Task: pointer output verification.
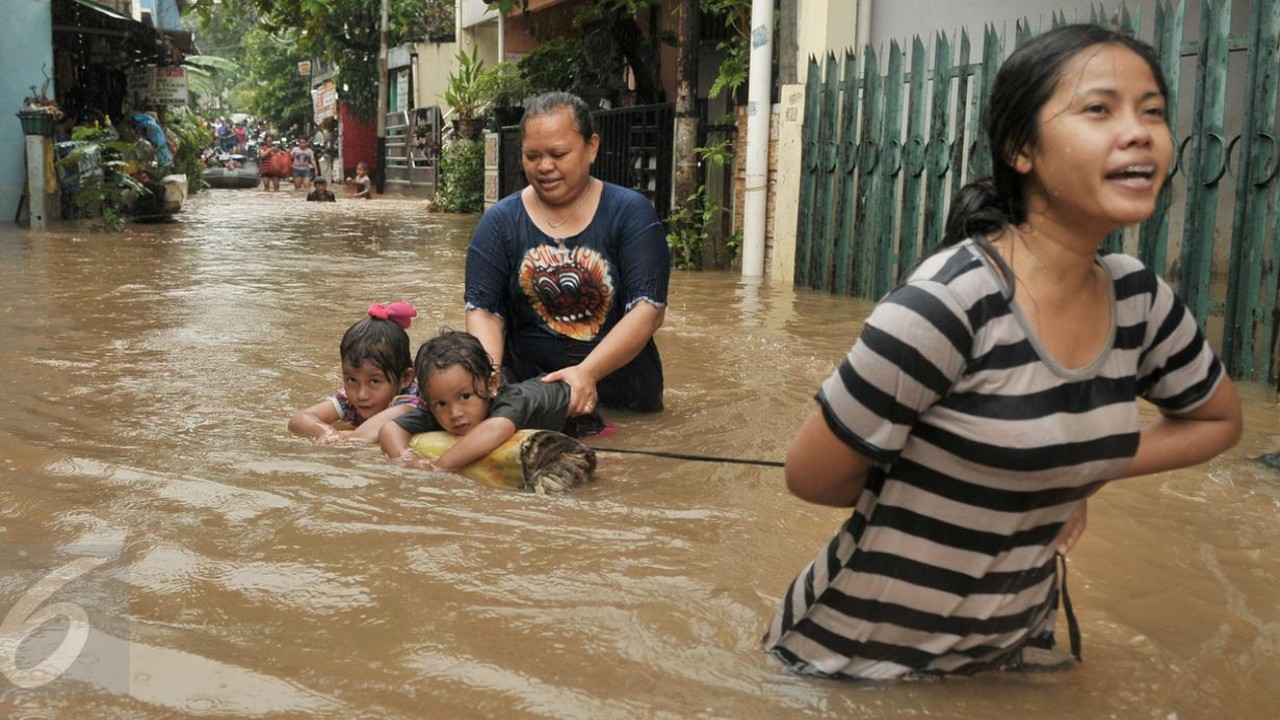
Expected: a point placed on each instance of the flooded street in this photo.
(195, 559)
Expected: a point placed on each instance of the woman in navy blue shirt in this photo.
(568, 277)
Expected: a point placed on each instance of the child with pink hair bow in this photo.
(378, 383)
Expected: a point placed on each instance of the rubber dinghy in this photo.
(538, 461)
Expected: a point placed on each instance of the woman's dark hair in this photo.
(453, 348)
(1025, 82)
(382, 343)
(547, 103)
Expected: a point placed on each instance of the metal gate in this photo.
(881, 162)
(635, 152)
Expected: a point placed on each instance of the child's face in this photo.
(368, 388)
(453, 399)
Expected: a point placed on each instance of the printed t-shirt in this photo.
(559, 296)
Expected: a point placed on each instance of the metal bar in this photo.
(869, 131)
(961, 135)
(825, 245)
(884, 235)
(937, 154)
(992, 58)
(913, 164)
(808, 161)
(846, 189)
(1202, 177)
(1153, 238)
(1246, 358)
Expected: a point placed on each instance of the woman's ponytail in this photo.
(977, 210)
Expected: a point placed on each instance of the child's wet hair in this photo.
(453, 348)
(1025, 82)
(381, 343)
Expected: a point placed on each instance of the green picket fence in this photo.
(885, 150)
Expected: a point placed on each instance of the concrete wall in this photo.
(432, 75)
(26, 45)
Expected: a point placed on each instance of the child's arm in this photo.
(316, 422)
(484, 439)
(394, 441)
(368, 432)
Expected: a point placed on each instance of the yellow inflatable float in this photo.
(539, 461)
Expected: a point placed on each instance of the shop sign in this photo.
(152, 85)
(324, 100)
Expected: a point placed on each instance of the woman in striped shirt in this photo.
(995, 390)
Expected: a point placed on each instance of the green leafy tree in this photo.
(345, 32)
(276, 91)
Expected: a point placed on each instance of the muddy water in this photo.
(195, 559)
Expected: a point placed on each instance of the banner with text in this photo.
(324, 100)
(152, 85)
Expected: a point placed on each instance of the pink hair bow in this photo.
(398, 312)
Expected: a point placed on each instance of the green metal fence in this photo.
(885, 150)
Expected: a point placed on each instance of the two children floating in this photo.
(449, 410)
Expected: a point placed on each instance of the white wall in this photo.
(26, 46)
(434, 62)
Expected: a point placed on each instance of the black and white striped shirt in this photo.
(983, 447)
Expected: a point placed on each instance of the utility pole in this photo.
(384, 40)
(759, 108)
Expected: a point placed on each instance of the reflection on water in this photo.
(149, 376)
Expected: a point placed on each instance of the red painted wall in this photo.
(359, 143)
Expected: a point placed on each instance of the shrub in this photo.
(461, 187)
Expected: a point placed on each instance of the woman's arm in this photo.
(484, 439)
(488, 329)
(619, 347)
(1180, 440)
(369, 430)
(821, 468)
(316, 422)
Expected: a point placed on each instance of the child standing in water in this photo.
(463, 394)
(363, 183)
(995, 390)
(377, 380)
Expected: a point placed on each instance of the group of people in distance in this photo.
(303, 169)
(986, 399)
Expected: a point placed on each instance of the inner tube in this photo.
(537, 461)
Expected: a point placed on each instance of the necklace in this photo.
(546, 218)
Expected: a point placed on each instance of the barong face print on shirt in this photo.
(571, 289)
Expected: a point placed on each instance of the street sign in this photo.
(304, 68)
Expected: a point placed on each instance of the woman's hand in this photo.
(582, 388)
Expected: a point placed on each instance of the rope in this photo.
(695, 458)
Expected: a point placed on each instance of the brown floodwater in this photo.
(192, 558)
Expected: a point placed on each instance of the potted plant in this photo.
(504, 88)
(464, 95)
(39, 113)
